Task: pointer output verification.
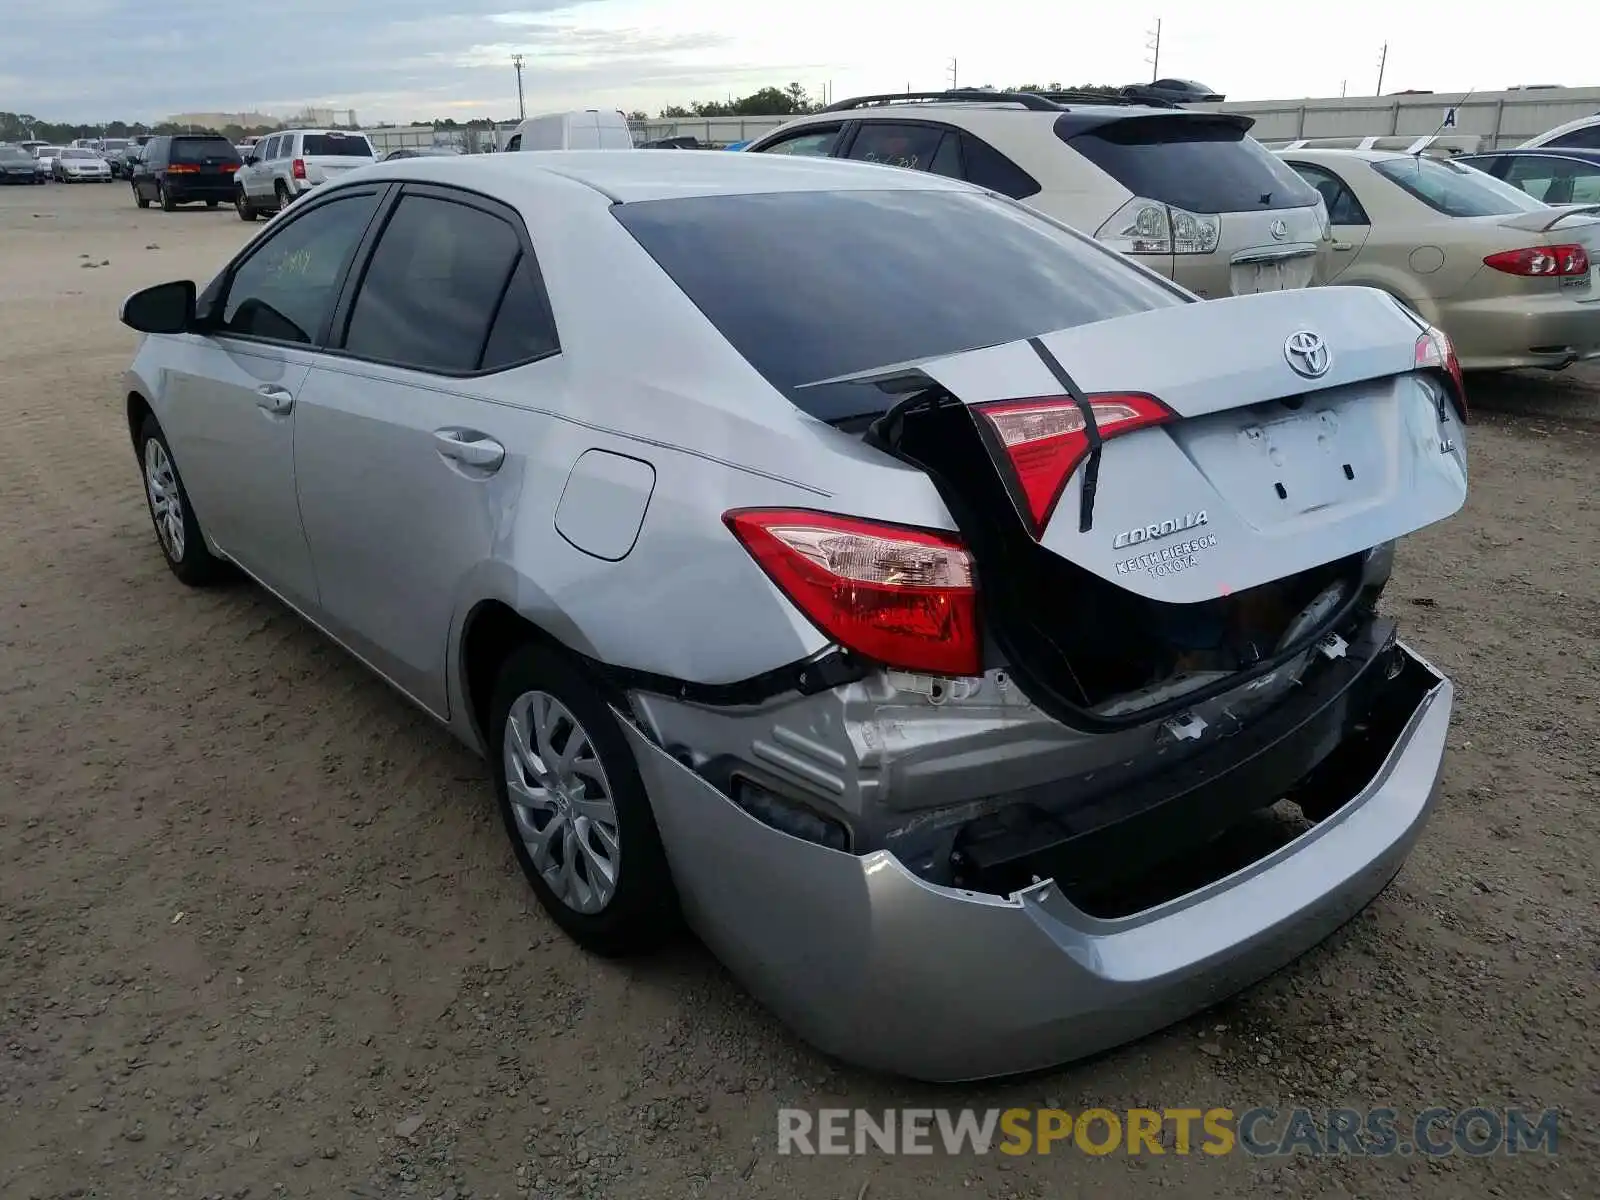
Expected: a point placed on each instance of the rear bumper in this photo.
(183, 189)
(881, 968)
(1520, 331)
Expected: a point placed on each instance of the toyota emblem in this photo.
(1279, 231)
(1307, 354)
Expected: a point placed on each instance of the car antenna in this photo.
(1449, 119)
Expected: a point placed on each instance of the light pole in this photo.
(516, 61)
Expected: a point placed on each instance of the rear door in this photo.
(1349, 221)
(329, 155)
(402, 469)
(1211, 207)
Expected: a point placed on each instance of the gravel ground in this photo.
(260, 933)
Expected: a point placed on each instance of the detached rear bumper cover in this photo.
(872, 964)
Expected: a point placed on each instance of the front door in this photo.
(237, 400)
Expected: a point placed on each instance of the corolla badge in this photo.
(1279, 231)
(1159, 529)
(1307, 354)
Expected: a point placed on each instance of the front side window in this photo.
(432, 288)
(285, 290)
(1454, 190)
(853, 284)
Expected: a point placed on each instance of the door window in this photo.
(808, 143)
(285, 290)
(1343, 207)
(433, 286)
(1555, 180)
(891, 144)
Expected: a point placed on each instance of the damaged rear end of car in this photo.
(1110, 722)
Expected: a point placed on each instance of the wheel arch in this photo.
(138, 409)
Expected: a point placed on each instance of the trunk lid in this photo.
(1262, 472)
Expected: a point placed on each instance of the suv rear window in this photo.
(1200, 165)
(872, 278)
(202, 150)
(334, 145)
(1454, 190)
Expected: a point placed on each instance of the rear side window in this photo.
(890, 144)
(335, 145)
(1587, 138)
(1454, 190)
(871, 278)
(202, 150)
(433, 286)
(1200, 165)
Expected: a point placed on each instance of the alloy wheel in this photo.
(562, 802)
(166, 504)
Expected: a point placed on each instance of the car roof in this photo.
(1345, 154)
(1579, 152)
(628, 176)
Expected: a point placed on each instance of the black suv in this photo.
(185, 167)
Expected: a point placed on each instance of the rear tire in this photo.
(575, 808)
(176, 527)
(139, 198)
(282, 193)
(168, 204)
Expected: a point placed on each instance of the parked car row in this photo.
(1499, 250)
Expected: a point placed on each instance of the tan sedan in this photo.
(1512, 281)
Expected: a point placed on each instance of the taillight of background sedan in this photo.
(910, 592)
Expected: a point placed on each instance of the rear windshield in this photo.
(857, 280)
(1455, 190)
(335, 145)
(1191, 163)
(202, 150)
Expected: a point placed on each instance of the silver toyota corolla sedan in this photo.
(913, 594)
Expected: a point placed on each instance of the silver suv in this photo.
(289, 164)
(1189, 194)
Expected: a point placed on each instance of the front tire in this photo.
(575, 807)
(177, 531)
(242, 205)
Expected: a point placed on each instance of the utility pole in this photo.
(1342, 84)
(516, 61)
(952, 73)
(1154, 46)
(1383, 61)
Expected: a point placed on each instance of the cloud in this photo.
(92, 60)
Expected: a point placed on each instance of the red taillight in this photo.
(900, 596)
(1435, 352)
(1045, 438)
(298, 170)
(182, 169)
(1541, 261)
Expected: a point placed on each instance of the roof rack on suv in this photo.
(1030, 100)
(1050, 101)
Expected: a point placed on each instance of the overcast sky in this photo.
(92, 60)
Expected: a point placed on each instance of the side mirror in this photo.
(249, 159)
(165, 308)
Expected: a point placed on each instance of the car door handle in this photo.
(1344, 245)
(274, 399)
(470, 448)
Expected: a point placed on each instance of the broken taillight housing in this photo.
(900, 596)
(1435, 352)
(1045, 438)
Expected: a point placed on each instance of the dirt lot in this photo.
(260, 933)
